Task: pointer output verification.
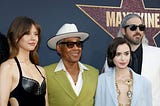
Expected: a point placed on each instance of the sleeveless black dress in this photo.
(28, 91)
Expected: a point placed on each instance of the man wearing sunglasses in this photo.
(70, 82)
(145, 58)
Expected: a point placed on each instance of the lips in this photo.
(32, 44)
(122, 63)
(137, 34)
(75, 54)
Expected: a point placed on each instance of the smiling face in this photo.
(70, 54)
(122, 56)
(133, 36)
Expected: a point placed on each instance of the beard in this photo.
(133, 40)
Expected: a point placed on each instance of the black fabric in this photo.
(136, 63)
(28, 91)
(4, 48)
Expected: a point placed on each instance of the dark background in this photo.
(52, 14)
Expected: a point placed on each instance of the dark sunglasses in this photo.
(133, 27)
(79, 44)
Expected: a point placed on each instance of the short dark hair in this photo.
(112, 48)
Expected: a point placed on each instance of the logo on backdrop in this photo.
(109, 17)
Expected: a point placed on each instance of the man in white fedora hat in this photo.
(70, 83)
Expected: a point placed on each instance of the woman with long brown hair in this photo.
(22, 81)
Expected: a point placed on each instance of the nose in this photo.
(75, 46)
(33, 36)
(138, 30)
(122, 57)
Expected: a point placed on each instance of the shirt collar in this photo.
(138, 51)
(60, 66)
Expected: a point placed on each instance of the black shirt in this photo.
(136, 61)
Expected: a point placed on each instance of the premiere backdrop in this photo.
(99, 18)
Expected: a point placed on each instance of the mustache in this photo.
(137, 33)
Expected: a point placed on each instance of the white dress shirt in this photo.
(77, 88)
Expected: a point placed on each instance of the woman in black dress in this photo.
(22, 81)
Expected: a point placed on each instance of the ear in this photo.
(16, 40)
(58, 48)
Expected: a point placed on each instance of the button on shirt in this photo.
(77, 88)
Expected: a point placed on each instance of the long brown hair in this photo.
(19, 27)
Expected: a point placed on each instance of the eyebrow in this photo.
(121, 52)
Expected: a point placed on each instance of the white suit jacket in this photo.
(151, 70)
(106, 94)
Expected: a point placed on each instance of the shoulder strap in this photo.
(39, 71)
(19, 67)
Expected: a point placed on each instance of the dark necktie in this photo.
(134, 64)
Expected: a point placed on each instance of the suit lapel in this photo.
(136, 91)
(62, 79)
(143, 59)
(84, 87)
(111, 85)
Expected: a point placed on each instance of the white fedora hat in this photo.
(66, 31)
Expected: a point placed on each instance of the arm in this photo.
(46, 96)
(148, 93)
(99, 92)
(5, 83)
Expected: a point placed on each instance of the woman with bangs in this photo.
(22, 80)
(120, 85)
